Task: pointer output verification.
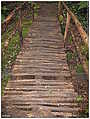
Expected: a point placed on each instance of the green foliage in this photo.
(75, 55)
(4, 11)
(84, 50)
(79, 68)
(70, 39)
(9, 54)
(26, 25)
(80, 9)
(2, 17)
(69, 56)
(61, 19)
(36, 6)
(87, 62)
(79, 98)
(35, 14)
(29, 2)
(4, 83)
(83, 4)
(85, 112)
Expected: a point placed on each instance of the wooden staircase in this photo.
(41, 84)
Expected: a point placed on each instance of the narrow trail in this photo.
(41, 84)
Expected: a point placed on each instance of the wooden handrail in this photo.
(10, 16)
(67, 25)
(78, 25)
(5, 23)
(85, 67)
(83, 34)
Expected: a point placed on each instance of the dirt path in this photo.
(41, 82)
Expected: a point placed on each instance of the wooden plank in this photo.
(40, 93)
(28, 98)
(64, 114)
(46, 103)
(42, 86)
(39, 89)
(53, 108)
(42, 74)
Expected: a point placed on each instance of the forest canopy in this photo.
(81, 10)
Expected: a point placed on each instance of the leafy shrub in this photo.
(79, 98)
(70, 39)
(79, 68)
(81, 10)
(61, 19)
(69, 56)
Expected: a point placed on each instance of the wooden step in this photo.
(37, 88)
(15, 98)
(46, 93)
(42, 74)
(41, 81)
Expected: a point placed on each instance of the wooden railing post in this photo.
(20, 27)
(67, 26)
(83, 34)
(59, 8)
